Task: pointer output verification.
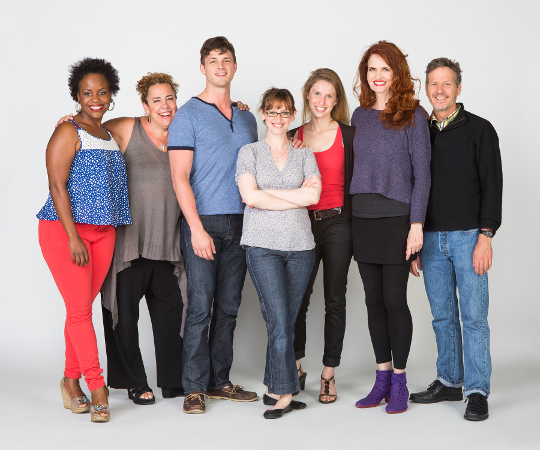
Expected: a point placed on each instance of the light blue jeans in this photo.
(463, 358)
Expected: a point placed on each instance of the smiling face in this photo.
(94, 95)
(160, 104)
(379, 74)
(219, 68)
(277, 125)
(442, 91)
(322, 98)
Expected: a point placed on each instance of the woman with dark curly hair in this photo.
(88, 198)
(326, 131)
(390, 187)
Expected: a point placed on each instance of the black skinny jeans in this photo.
(156, 281)
(389, 319)
(333, 245)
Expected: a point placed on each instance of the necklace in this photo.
(277, 158)
(162, 146)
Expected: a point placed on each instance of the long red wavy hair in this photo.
(399, 111)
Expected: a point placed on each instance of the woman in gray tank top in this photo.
(147, 259)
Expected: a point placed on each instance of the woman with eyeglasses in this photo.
(277, 182)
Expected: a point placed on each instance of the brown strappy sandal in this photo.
(326, 392)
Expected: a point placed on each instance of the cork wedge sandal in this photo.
(77, 405)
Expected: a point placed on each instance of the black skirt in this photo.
(381, 240)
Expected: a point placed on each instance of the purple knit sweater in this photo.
(394, 163)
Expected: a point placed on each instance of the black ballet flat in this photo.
(269, 401)
(277, 413)
(135, 395)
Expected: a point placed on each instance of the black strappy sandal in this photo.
(135, 395)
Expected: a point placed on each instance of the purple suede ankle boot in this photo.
(399, 394)
(381, 389)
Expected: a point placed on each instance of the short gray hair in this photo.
(444, 62)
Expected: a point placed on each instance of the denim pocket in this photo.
(472, 230)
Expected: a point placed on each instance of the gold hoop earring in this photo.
(113, 105)
(77, 107)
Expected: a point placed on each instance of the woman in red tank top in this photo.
(325, 116)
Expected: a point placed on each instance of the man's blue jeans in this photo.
(447, 262)
(281, 278)
(214, 293)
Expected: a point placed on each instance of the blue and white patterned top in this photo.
(97, 183)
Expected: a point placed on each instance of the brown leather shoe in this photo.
(195, 403)
(232, 392)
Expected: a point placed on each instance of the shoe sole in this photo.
(100, 419)
(173, 396)
(194, 411)
(476, 418)
(215, 397)
(448, 398)
(397, 412)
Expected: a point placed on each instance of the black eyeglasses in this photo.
(284, 114)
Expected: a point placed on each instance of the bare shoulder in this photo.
(65, 132)
(120, 128)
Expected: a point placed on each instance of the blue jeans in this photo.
(214, 291)
(281, 278)
(447, 262)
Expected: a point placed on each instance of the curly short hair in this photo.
(444, 62)
(144, 84)
(87, 66)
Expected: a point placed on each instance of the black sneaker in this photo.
(437, 392)
(477, 407)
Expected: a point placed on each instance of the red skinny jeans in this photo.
(79, 287)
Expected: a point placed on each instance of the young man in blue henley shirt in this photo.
(204, 139)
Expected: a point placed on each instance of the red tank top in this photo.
(331, 164)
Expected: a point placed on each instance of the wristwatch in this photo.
(487, 233)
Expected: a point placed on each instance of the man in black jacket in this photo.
(463, 214)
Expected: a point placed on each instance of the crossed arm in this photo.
(279, 199)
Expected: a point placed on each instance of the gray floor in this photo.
(32, 417)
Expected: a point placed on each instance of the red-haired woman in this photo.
(326, 131)
(390, 187)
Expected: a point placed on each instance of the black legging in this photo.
(389, 318)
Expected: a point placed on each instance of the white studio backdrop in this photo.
(277, 44)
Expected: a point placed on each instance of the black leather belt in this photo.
(325, 213)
